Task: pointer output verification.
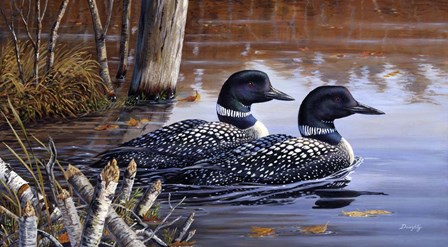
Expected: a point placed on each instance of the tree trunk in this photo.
(37, 44)
(159, 49)
(54, 35)
(101, 52)
(124, 41)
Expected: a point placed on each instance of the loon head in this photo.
(322, 106)
(240, 91)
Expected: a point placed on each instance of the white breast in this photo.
(259, 130)
(349, 149)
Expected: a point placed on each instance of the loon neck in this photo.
(322, 130)
(235, 114)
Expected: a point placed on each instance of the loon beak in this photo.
(364, 109)
(277, 94)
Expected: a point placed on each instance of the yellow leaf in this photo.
(258, 232)
(133, 122)
(192, 98)
(144, 120)
(377, 212)
(106, 127)
(355, 214)
(318, 229)
(392, 74)
(176, 244)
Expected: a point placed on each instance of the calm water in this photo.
(392, 55)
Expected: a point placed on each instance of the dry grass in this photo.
(71, 88)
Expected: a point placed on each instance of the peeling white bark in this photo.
(70, 217)
(28, 227)
(148, 199)
(128, 182)
(16, 184)
(187, 225)
(124, 235)
(99, 205)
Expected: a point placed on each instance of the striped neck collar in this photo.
(307, 130)
(222, 111)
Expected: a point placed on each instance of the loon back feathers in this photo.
(151, 139)
(285, 162)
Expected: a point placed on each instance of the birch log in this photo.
(101, 52)
(159, 49)
(148, 198)
(124, 235)
(128, 182)
(185, 228)
(99, 205)
(124, 41)
(28, 227)
(54, 34)
(17, 184)
(70, 217)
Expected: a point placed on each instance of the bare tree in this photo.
(159, 49)
(54, 34)
(100, 39)
(124, 41)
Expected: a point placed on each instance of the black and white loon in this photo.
(282, 159)
(187, 141)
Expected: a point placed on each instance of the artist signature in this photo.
(412, 228)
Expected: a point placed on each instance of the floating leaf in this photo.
(372, 53)
(355, 214)
(133, 122)
(377, 212)
(392, 74)
(63, 238)
(366, 213)
(192, 98)
(339, 55)
(175, 244)
(318, 229)
(258, 232)
(106, 127)
(144, 120)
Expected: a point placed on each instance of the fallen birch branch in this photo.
(187, 225)
(28, 227)
(128, 182)
(70, 217)
(148, 198)
(123, 234)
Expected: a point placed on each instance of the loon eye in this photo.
(251, 84)
(337, 99)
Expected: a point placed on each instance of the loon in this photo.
(283, 159)
(187, 141)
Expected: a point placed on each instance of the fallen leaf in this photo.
(339, 55)
(304, 48)
(258, 232)
(133, 122)
(175, 244)
(372, 53)
(318, 229)
(192, 98)
(392, 74)
(355, 214)
(144, 120)
(63, 238)
(377, 212)
(106, 127)
(150, 218)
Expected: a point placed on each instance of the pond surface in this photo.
(392, 55)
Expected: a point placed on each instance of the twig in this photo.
(164, 219)
(190, 235)
(4, 210)
(99, 205)
(50, 237)
(109, 16)
(187, 225)
(16, 44)
(49, 168)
